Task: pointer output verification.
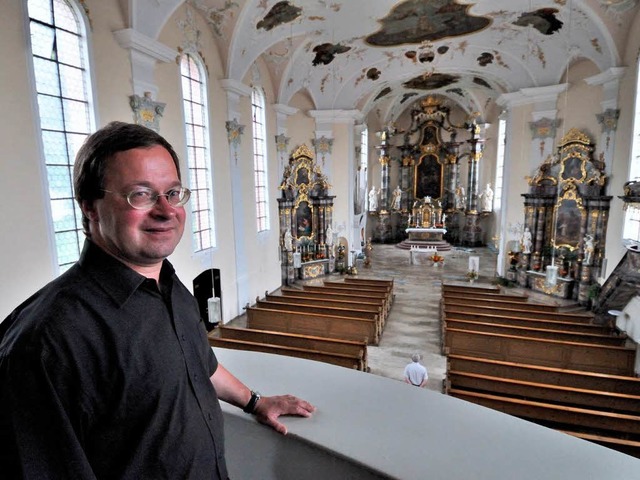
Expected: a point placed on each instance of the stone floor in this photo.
(413, 325)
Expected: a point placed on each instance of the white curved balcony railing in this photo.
(369, 427)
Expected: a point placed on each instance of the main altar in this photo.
(426, 226)
(306, 213)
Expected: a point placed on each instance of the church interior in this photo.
(443, 177)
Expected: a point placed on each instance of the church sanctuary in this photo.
(370, 180)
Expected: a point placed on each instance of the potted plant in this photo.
(472, 275)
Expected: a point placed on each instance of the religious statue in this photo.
(328, 239)
(487, 199)
(288, 241)
(526, 240)
(396, 198)
(589, 246)
(461, 197)
(373, 199)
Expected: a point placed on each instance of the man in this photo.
(106, 372)
(415, 373)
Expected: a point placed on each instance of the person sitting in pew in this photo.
(415, 373)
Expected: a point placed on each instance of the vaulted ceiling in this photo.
(372, 54)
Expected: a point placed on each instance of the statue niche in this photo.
(305, 211)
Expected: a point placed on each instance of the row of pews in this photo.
(333, 322)
(537, 362)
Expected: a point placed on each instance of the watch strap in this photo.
(253, 401)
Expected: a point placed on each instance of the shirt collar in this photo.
(117, 279)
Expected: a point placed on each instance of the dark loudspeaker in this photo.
(207, 286)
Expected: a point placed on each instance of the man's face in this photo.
(139, 238)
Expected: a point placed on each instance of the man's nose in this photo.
(162, 205)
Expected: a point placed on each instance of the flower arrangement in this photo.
(437, 259)
(472, 275)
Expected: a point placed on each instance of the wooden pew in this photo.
(357, 351)
(458, 288)
(552, 353)
(372, 281)
(630, 447)
(456, 313)
(339, 359)
(366, 284)
(340, 296)
(551, 393)
(324, 310)
(378, 290)
(523, 313)
(493, 301)
(532, 332)
(617, 384)
(611, 424)
(314, 324)
(355, 294)
(302, 300)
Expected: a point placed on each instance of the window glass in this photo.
(198, 160)
(632, 215)
(59, 54)
(259, 160)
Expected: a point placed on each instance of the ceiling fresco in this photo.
(383, 55)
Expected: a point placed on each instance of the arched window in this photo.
(362, 171)
(632, 215)
(260, 159)
(63, 90)
(502, 140)
(198, 159)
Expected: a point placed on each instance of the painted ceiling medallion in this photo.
(431, 82)
(415, 21)
(281, 13)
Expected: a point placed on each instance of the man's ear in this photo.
(89, 210)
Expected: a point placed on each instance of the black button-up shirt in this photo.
(104, 375)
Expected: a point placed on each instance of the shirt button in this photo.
(183, 338)
(210, 417)
(195, 376)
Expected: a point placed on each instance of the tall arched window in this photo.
(502, 140)
(362, 171)
(632, 215)
(198, 159)
(63, 90)
(260, 159)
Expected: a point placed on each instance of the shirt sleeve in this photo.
(42, 439)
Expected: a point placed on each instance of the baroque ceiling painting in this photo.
(385, 55)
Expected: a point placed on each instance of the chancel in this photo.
(369, 179)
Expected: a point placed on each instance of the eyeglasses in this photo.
(145, 198)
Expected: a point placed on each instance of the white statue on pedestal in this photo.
(526, 240)
(487, 199)
(396, 198)
(373, 199)
(288, 241)
(589, 246)
(461, 197)
(328, 237)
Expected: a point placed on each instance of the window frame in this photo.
(631, 222)
(203, 237)
(82, 32)
(260, 160)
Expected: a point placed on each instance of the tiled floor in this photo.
(414, 319)
(413, 325)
